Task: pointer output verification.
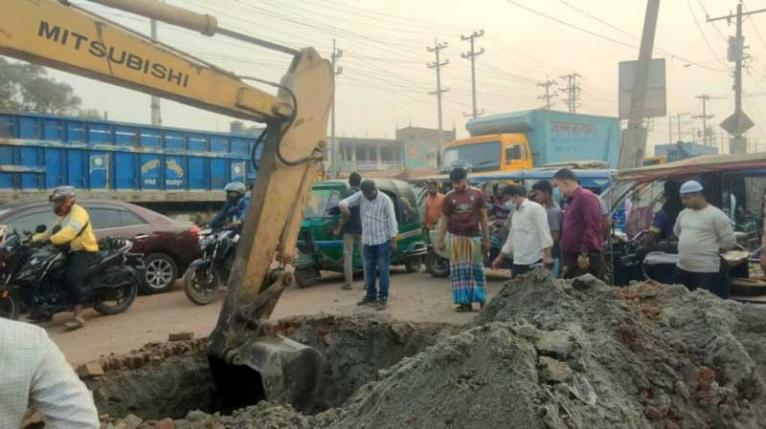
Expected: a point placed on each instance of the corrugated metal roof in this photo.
(694, 166)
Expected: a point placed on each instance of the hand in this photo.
(336, 232)
(583, 262)
(547, 261)
(393, 245)
(440, 245)
(485, 245)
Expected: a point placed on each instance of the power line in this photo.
(755, 27)
(702, 33)
(607, 38)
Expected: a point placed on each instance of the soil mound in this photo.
(544, 353)
(550, 354)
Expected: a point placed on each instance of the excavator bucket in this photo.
(248, 361)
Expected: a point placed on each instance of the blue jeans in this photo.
(376, 261)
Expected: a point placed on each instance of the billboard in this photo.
(655, 99)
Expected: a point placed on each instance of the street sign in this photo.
(654, 100)
(737, 123)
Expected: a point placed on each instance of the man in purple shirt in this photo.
(582, 240)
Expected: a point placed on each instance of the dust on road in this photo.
(416, 297)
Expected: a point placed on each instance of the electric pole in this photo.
(738, 123)
(471, 55)
(336, 70)
(633, 147)
(549, 94)
(154, 103)
(572, 90)
(438, 64)
(704, 116)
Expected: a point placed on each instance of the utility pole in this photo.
(573, 91)
(633, 147)
(548, 96)
(438, 64)
(154, 103)
(471, 55)
(738, 123)
(704, 116)
(336, 70)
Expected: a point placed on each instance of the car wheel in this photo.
(161, 272)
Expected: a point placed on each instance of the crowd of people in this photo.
(524, 229)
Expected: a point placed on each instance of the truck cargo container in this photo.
(534, 138)
(168, 169)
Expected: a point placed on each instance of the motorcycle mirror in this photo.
(40, 229)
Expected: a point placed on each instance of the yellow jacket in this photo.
(71, 225)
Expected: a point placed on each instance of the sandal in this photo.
(75, 323)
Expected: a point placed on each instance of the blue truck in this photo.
(535, 138)
(160, 167)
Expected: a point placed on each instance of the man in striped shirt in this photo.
(379, 230)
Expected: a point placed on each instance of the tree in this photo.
(27, 87)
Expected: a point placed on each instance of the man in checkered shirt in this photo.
(34, 373)
(379, 231)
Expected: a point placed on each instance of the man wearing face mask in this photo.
(73, 230)
(234, 212)
(379, 231)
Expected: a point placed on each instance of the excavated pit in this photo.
(544, 353)
(354, 350)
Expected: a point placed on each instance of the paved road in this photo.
(414, 297)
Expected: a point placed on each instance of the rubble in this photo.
(542, 354)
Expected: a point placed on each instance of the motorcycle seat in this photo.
(661, 258)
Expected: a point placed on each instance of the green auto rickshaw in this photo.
(319, 250)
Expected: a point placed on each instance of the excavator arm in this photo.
(63, 36)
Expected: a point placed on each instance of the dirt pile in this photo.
(544, 353)
(547, 354)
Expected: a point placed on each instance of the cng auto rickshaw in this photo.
(320, 250)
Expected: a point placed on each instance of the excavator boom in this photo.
(60, 35)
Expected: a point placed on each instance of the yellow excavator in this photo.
(248, 362)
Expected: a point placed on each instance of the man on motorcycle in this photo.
(72, 229)
(234, 211)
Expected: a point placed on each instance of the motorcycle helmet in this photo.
(234, 191)
(60, 196)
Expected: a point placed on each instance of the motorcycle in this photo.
(207, 275)
(32, 278)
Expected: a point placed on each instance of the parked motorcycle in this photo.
(32, 278)
(207, 275)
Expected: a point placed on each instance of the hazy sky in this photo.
(385, 81)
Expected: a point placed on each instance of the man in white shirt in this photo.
(36, 374)
(529, 240)
(703, 231)
(379, 231)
